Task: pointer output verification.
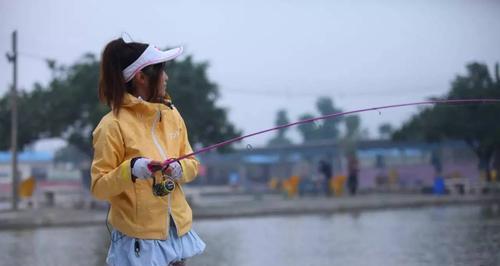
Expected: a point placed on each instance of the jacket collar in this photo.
(140, 105)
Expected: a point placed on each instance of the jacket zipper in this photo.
(155, 140)
(162, 153)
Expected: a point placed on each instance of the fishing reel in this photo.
(166, 185)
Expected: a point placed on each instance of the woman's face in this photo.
(144, 88)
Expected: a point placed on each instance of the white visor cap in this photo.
(150, 56)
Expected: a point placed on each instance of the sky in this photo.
(273, 54)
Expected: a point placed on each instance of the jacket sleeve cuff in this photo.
(126, 172)
(189, 169)
(132, 162)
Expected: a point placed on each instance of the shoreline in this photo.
(229, 208)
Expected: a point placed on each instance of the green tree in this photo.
(329, 127)
(352, 133)
(68, 106)
(385, 131)
(324, 129)
(309, 131)
(195, 95)
(70, 154)
(353, 126)
(27, 126)
(476, 124)
(280, 139)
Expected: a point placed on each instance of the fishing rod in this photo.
(334, 115)
(168, 185)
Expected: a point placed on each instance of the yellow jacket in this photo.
(142, 129)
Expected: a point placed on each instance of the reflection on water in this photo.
(433, 236)
(430, 236)
(54, 246)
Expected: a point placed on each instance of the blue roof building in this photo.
(27, 157)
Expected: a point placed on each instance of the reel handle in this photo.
(166, 163)
(155, 166)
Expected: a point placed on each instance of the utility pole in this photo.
(12, 58)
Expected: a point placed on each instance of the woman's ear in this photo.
(140, 80)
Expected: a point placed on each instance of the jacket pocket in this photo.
(149, 207)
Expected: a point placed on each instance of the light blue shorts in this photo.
(153, 252)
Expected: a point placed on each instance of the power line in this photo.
(35, 56)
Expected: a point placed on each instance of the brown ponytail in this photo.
(117, 55)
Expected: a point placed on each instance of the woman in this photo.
(142, 130)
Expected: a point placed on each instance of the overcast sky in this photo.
(268, 55)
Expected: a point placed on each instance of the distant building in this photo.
(30, 163)
(41, 166)
(381, 163)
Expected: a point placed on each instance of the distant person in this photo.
(436, 162)
(381, 179)
(152, 225)
(325, 169)
(353, 170)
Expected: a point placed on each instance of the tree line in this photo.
(68, 106)
(478, 125)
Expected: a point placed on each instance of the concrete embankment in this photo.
(245, 206)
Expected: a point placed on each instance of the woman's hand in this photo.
(144, 167)
(174, 170)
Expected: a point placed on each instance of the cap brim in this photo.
(150, 56)
(164, 56)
